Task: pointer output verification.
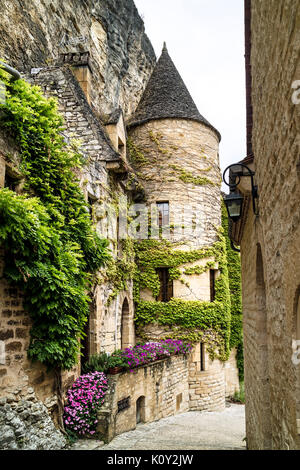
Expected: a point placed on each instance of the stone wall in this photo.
(270, 247)
(164, 388)
(25, 424)
(206, 382)
(232, 382)
(121, 55)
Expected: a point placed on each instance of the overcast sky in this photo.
(205, 39)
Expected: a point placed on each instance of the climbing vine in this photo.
(188, 177)
(51, 246)
(188, 320)
(234, 274)
(121, 270)
(217, 323)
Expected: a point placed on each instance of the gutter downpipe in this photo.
(13, 72)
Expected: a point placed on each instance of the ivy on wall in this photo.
(235, 286)
(51, 246)
(217, 323)
(189, 320)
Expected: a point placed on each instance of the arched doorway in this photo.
(140, 410)
(262, 351)
(125, 325)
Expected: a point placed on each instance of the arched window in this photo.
(125, 325)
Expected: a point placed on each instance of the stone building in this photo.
(142, 145)
(269, 241)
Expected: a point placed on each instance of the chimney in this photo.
(80, 64)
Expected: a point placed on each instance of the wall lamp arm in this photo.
(233, 182)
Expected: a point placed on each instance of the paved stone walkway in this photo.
(195, 430)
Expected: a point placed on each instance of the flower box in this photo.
(115, 370)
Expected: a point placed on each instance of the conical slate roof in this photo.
(166, 96)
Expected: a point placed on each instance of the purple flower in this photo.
(84, 402)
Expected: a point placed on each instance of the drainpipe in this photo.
(13, 72)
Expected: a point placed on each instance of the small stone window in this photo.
(123, 404)
(202, 357)
(212, 283)
(166, 285)
(163, 214)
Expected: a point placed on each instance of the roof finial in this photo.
(165, 47)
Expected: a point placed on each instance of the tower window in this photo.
(163, 214)
(212, 281)
(202, 357)
(166, 285)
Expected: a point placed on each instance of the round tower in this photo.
(181, 281)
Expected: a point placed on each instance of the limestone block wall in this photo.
(112, 326)
(270, 247)
(28, 397)
(232, 383)
(206, 387)
(163, 387)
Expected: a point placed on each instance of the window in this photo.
(11, 182)
(202, 357)
(125, 325)
(166, 285)
(212, 281)
(163, 214)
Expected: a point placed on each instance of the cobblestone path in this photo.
(196, 430)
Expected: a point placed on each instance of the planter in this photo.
(115, 370)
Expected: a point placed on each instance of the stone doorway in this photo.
(140, 410)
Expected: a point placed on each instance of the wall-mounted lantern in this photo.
(234, 200)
